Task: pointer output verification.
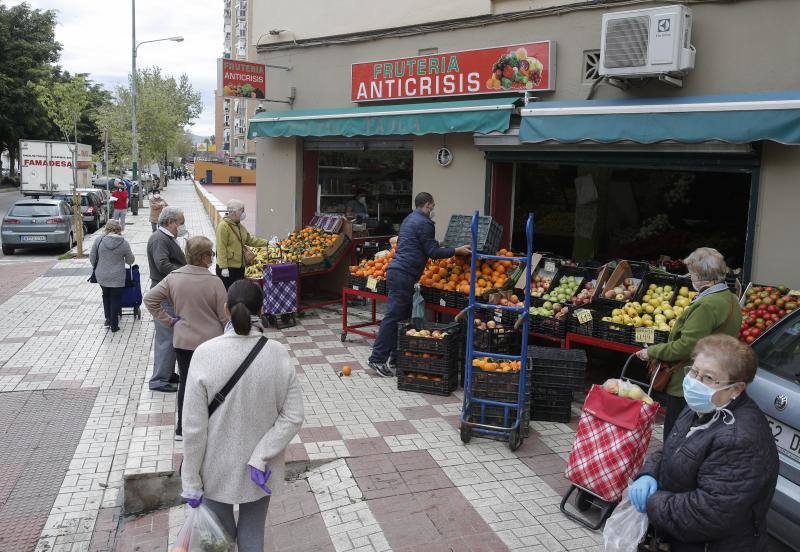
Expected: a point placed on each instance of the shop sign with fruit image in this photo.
(514, 68)
(242, 79)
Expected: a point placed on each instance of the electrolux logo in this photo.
(664, 25)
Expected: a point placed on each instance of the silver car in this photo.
(776, 389)
(37, 223)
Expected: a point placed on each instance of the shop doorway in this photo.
(594, 212)
(382, 178)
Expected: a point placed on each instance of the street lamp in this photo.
(134, 75)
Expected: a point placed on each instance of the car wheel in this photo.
(8, 250)
(70, 242)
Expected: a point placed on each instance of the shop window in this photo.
(602, 213)
(384, 177)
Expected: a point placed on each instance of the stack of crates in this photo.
(426, 364)
(556, 374)
(501, 387)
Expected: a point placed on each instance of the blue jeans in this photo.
(401, 291)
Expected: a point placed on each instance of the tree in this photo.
(64, 103)
(164, 108)
(27, 53)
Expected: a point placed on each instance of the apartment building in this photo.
(232, 114)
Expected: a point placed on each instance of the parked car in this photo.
(92, 209)
(776, 389)
(43, 222)
(104, 197)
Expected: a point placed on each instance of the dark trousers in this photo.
(401, 291)
(674, 406)
(184, 359)
(112, 305)
(235, 275)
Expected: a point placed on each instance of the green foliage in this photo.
(27, 54)
(64, 102)
(164, 107)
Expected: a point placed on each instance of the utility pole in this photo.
(134, 76)
(76, 200)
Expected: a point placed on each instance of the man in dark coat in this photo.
(709, 488)
(416, 243)
(164, 255)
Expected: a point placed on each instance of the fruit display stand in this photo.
(427, 358)
(764, 305)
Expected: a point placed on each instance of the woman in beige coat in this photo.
(236, 455)
(198, 298)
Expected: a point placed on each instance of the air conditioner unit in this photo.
(647, 42)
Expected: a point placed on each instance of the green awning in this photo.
(482, 116)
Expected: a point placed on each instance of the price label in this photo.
(549, 266)
(794, 292)
(442, 302)
(372, 283)
(498, 316)
(356, 288)
(644, 335)
(583, 315)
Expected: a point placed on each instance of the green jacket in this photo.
(229, 248)
(700, 319)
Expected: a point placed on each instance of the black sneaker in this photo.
(174, 378)
(106, 324)
(383, 369)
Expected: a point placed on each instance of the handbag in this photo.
(93, 278)
(248, 256)
(660, 371)
(220, 397)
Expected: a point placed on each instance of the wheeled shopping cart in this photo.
(132, 292)
(610, 445)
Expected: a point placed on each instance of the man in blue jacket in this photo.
(416, 243)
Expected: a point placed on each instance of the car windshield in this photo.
(33, 210)
(84, 199)
(779, 350)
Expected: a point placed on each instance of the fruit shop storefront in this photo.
(654, 179)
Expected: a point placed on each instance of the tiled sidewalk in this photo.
(392, 473)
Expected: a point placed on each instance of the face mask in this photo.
(242, 216)
(696, 285)
(432, 214)
(698, 396)
(182, 231)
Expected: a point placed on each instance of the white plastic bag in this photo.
(202, 532)
(625, 528)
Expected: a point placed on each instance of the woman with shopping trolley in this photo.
(714, 310)
(711, 485)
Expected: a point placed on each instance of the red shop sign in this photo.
(241, 79)
(514, 68)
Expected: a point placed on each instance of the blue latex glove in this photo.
(640, 490)
(174, 321)
(260, 478)
(193, 498)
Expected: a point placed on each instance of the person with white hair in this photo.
(109, 256)
(715, 310)
(233, 241)
(163, 256)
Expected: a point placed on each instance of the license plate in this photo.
(33, 238)
(786, 439)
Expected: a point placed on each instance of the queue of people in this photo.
(240, 402)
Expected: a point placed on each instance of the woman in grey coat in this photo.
(236, 455)
(109, 256)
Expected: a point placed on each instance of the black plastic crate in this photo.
(659, 336)
(658, 279)
(498, 384)
(611, 331)
(505, 341)
(383, 287)
(566, 271)
(549, 404)
(446, 346)
(459, 232)
(638, 270)
(409, 380)
(496, 416)
(586, 328)
(434, 364)
(357, 282)
(557, 368)
(456, 300)
(431, 295)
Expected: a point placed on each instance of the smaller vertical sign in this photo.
(241, 79)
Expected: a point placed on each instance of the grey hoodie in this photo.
(109, 255)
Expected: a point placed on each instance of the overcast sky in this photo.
(96, 39)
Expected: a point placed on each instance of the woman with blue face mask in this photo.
(711, 485)
(714, 310)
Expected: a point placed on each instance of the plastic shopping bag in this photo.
(417, 307)
(625, 528)
(202, 532)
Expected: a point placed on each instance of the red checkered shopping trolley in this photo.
(610, 445)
